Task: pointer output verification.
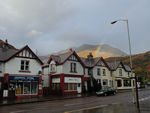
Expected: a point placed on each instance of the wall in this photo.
(13, 66)
(66, 68)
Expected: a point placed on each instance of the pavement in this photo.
(6, 102)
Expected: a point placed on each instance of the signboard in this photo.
(22, 78)
(5, 93)
(72, 80)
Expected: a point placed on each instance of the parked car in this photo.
(106, 91)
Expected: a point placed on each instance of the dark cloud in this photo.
(53, 25)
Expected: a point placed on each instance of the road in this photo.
(76, 105)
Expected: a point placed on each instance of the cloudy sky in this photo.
(53, 25)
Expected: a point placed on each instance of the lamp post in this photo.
(133, 92)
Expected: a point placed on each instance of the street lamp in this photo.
(133, 92)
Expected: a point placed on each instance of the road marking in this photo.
(86, 108)
(143, 99)
(17, 111)
(72, 104)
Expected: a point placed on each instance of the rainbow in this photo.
(98, 49)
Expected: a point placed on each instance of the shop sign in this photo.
(72, 80)
(19, 78)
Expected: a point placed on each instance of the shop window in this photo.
(19, 88)
(119, 83)
(26, 88)
(105, 82)
(33, 87)
(24, 65)
(127, 83)
(98, 71)
(73, 67)
(70, 87)
(56, 86)
(104, 72)
(120, 72)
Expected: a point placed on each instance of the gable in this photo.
(100, 63)
(73, 58)
(26, 54)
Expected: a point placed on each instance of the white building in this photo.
(64, 72)
(20, 71)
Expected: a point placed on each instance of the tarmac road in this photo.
(92, 104)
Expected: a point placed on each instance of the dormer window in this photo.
(120, 72)
(24, 65)
(52, 67)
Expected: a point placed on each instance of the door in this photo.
(79, 88)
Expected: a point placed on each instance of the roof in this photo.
(62, 58)
(6, 53)
(90, 63)
(113, 66)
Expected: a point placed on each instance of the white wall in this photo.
(13, 66)
(66, 68)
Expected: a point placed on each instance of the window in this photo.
(70, 86)
(111, 73)
(120, 72)
(127, 83)
(0, 67)
(110, 83)
(53, 68)
(98, 71)
(105, 82)
(24, 65)
(104, 72)
(89, 72)
(119, 83)
(73, 67)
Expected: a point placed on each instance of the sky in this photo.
(49, 26)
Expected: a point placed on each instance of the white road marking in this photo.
(144, 99)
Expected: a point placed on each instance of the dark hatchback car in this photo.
(106, 91)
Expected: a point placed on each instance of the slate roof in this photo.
(90, 63)
(5, 54)
(113, 66)
(61, 57)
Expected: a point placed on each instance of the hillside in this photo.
(141, 64)
(103, 50)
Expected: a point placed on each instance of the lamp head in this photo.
(113, 22)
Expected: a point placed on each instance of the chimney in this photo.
(6, 41)
(71, 50)
(90, 56)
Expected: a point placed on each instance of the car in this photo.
(106, 91)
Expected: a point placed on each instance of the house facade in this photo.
(20, 72)
(122, 76)
(65, 72)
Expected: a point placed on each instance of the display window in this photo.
(24, 88)
(70, 87)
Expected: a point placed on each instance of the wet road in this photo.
(91, 104)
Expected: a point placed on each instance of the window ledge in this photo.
(73, 72)
(25, 71)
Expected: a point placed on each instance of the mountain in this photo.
(103, 50)
(141, 64)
